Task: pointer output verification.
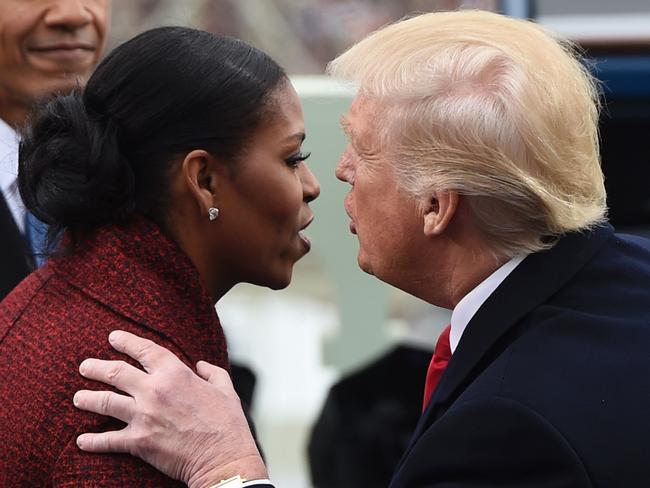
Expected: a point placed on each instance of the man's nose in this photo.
(344, 170)
(68, 14)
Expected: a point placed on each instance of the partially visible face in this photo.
(266, 205)
(387, 221)
(48, 46)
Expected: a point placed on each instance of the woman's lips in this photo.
(305, 240)
(303, 237)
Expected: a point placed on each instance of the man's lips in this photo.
(62, 46)
(64, 52)
(353, 227)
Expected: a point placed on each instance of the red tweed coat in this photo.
(131, 278)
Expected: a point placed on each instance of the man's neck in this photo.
(469, 272)
(445, 274)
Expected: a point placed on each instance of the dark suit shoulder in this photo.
(488, 442)
(556, 359)
(580, 361)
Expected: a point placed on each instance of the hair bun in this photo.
(71, 170)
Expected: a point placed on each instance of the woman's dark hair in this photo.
(100, 155)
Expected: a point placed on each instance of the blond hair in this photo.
(494, 108)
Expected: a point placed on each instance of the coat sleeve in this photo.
(491, 442)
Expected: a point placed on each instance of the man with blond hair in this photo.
(476, 186)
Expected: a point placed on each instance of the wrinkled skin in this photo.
(177, 421)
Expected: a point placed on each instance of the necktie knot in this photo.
(439, 361)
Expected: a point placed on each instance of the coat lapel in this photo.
(535, 280)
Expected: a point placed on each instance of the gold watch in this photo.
(234, 482)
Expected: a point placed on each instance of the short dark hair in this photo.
(102, 154)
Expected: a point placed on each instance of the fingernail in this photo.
(82, 368)
(113, 336)
(75, 400)
(80, 442)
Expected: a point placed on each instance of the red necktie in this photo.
(441, 357)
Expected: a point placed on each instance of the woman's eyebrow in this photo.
(299, 136)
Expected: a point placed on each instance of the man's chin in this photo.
(59, 85)
(364, 264)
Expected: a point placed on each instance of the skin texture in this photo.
(263, 200)
(430, 249)
(46, 46)
(200, 460)
(386, 227)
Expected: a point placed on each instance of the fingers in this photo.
(212, 374)
(116, 373)
(105, 403)
(114, 441)
(149, 354)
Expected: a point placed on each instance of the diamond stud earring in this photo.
(213, 213)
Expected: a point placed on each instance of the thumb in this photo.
(211, 373)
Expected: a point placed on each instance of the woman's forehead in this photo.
(284, 122)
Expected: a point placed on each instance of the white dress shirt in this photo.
(8, 173)
(470, 303)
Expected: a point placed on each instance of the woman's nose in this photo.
(310, 185)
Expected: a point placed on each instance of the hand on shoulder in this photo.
(191, 427)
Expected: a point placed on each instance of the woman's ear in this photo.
(441, 210)
(199, 175)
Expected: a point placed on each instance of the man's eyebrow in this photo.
(345, 126)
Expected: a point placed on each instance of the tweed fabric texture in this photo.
(132, 278)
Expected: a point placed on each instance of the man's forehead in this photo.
(361, 128)
(356, 119)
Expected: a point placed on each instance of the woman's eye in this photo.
(296, 159)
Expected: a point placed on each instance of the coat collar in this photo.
(532, 283)
(139, 273)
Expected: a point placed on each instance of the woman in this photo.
(176, 174)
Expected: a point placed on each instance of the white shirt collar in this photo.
(8, 156)
(9, 140)
(470, 303)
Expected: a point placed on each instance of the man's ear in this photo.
(199, 174)
(441, 210)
